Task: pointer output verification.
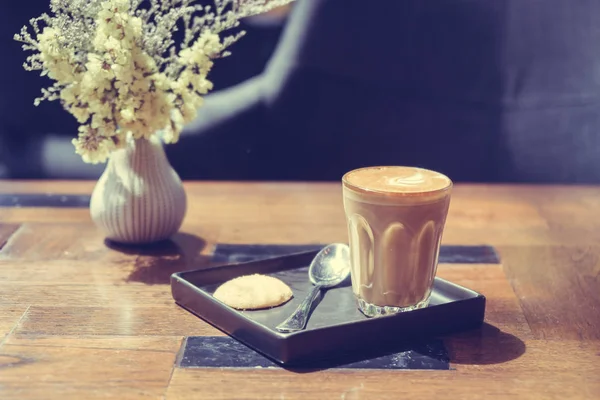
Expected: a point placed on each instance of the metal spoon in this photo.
(329, 268)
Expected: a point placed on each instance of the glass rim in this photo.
(385, 193)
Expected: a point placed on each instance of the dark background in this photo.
(484, 91)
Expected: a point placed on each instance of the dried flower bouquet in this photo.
(118, 69)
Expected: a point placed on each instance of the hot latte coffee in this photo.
(396, 216)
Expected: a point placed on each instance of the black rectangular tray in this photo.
(336, 326)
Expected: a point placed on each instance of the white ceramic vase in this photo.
(139, 199)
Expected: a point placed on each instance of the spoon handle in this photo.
(297, 321)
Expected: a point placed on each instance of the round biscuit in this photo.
(252, 292)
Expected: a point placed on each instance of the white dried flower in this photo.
(118, 71)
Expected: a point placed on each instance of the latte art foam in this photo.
(417, 178)
(397, 180)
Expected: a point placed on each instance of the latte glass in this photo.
(396, 217)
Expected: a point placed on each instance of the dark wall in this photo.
(486, 91)
(491, 91)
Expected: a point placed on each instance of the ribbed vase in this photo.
(139, 199)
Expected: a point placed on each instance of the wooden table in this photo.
(79, 320)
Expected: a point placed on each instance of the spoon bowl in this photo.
(329, 268)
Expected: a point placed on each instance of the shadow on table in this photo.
(156, 262)
(484, 346)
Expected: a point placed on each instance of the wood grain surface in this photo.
(81, 318)
(6, 231)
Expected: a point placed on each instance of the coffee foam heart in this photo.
(401, 180)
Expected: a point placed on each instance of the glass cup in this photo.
(396, 217)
